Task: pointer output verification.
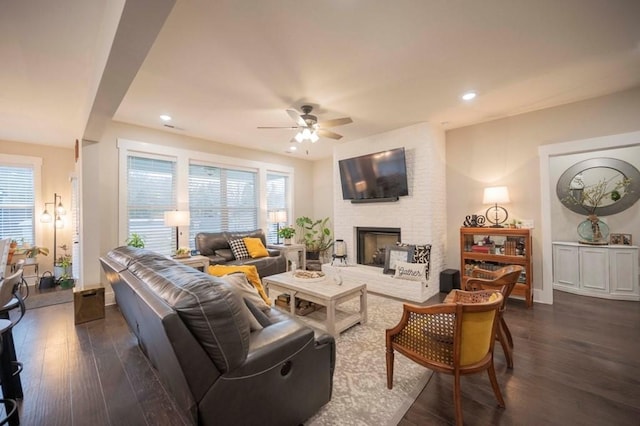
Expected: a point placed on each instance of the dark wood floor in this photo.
(576, 362)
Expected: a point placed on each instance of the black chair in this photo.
(9, 367)
(10, 299)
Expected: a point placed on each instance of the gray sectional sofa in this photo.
(215, 245)
(195, 330)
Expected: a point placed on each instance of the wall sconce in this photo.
(495, 195)
(278, 217)
(177, 218)
(46, 217)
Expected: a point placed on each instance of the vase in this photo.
(287, 241)
(593, 231)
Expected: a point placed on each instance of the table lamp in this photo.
(497, 215)
(177, 218)
(278, 217)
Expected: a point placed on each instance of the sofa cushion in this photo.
(238, 249)
(249, 270)
(226, 254)
(207, 305)
(255, 247)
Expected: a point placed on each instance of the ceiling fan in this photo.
(308, 126)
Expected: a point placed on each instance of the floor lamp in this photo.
(177, 218)
(58, 223)
(278, 217)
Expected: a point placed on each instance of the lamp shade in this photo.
(278, 216)
(495, 195)
(177, 218)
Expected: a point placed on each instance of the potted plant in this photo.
(135, 240)
(62, 264)
(66, 281)
(33, 251)
(287, 233)
(315, 235)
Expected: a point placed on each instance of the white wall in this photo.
(323, 188)
(505, 152)
(420, 215)
(100, 184)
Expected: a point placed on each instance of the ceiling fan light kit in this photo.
(308, 127)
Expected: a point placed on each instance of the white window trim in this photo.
(183, 158)
(36, 164)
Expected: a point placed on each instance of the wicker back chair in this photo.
(503, 280)
(455, 338)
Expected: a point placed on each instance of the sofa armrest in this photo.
(273, 252)
(214, 259)
(273, 345)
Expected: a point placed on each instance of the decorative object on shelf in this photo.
(339, 252)
(474, 220)
(287, 233)
(599, 186)
(395, 254)
(595, 189)
(620, 239)
(177, 218)
(183, 253)
(135, 240)
(278, 217)
(497, 215)
(58, 223)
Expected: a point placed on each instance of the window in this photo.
(222, 199)
(17, 203)
(277, 199)
(151, 190)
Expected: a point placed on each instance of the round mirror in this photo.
(600, 186)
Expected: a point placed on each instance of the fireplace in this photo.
(371, 242)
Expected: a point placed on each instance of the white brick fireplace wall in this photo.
(421, 215)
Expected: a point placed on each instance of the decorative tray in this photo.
(309, 276)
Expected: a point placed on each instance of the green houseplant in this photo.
(135, 240)
(315, 235)
(34, 251)
(287, 233)
(65, 280)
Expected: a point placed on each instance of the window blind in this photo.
(277, 199)
(151, 190)
(17, 201)
(222, 199)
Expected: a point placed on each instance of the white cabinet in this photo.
(602, 271)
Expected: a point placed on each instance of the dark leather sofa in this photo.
(215, 245)
(194, 330)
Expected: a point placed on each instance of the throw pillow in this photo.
(421, 254)
(239, 280)
(410, 271)
(249, 270)
(238, 249)
(255, 247)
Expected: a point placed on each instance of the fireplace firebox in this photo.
(371, 243)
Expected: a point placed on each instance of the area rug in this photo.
(360, 395)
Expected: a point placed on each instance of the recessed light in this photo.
(469, 95)
(293, 148)
(165, 117)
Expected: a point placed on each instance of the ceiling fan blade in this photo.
(277, 127)
(295, 115)
(329, 134)
(336, 122)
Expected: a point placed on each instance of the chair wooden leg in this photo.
(457, 399)
(390, 358)
(494, 385)
(508, 351)
(507, 332)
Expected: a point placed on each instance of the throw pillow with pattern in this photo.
(421, 254)
(239, 249)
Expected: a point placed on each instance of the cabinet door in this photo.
(594, 269)
(624, 271)
(565, 266)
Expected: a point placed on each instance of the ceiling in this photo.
(223, 68)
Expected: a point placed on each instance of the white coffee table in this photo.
(326, 293)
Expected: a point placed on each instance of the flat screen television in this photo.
(376, 177)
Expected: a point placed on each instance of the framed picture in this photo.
(620, 239)
(395, 254)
